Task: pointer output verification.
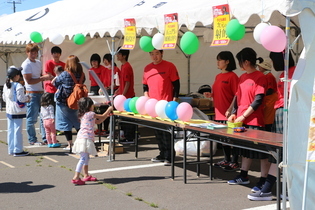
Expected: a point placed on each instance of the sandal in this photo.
(78, 182)
(89, 178)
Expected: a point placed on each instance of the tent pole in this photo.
(111, 122)
(188, 73)
(285, 115)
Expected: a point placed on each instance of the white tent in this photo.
(99, 18)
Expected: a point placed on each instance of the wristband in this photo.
(243, 116)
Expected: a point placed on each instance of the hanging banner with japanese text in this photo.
(221, 17)
(130, 34)
(171, 31)
(311, 134)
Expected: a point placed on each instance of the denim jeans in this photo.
(33, 109)
(14, 136)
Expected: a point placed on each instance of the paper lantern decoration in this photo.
(132, 105)
(273, 39)
(160, 108)
(189, 43)
(57, 39)
(157, 41)
(184, 111)
(36, 37)
(140, 104)
(146, 44)
(79, 39)
(150, 107)
(234, 30)
(170, 110)
(126, 105)
(258, 31)
(119, 102)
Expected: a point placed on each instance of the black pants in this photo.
(165, 145)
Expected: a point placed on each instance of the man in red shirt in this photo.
(49, 68)
(161, 81)
(126, 88)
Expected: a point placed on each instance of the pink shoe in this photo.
(89, 178)
(78, 182)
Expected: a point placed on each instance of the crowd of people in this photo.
(254, 98)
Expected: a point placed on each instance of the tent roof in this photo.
(102, 17)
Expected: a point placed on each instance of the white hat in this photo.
(265, 65)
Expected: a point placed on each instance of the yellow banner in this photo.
(130, 34)
(171, 31)
(221, 18)
(311, 133)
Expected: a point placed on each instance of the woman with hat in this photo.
(271, 93)
(13, 95)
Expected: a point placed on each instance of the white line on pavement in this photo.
(48, 158)
(7, 164)
(125, 168)
(268, 207)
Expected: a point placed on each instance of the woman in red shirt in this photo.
(95, 62)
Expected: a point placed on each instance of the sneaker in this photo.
(20, 154)
(37, 143)
(89, 178)
(232, 167)
(78, 182)
(55, 145)
(66, 148)
(222, 163)
(49, 145)
(239, 180)
(258, 187)
(158, 159)
(58, 133)
(97, 131)
(260, 196)
(127, 141)
(167, 163)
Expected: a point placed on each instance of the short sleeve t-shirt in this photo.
(87, 126)
(34, 68)
(106, 76)
(224, 89)
(159, 78)
(251, 85)
(126, 75)
(49, 68)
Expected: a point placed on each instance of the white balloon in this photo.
(157, 41)
(160, 108)
(56, 39)
(258, 30)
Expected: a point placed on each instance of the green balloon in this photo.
(132, 105)
(146, 44)
(189, 43)
(36, 37)
(234, 30)
(79, 39)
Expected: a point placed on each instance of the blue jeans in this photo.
(33, 109)
(14, 136)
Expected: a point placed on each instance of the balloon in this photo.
(140, 104)
(126, 105)
(157, 41)
(146, 44)
(56, 39)
(132, 105)
(184, 111)
(36, 37)
(234, 30)
(189, 43)
(273, 39)
(160, 108)
(150, 107)
(258, 31)
(170, 110)
(119, 102)
(79, 39)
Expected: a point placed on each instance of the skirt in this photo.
(66, 118)
(84, 145)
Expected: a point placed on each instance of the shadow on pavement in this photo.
(22, 187)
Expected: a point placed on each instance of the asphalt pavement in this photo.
(43, 180)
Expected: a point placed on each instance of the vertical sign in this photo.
(221, 17)
(311, 133)
(171, 31)
(130, 34)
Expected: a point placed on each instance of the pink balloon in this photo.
(184, 111)
(140, 104)
(273, 39)
(119, 102)
(150, 107)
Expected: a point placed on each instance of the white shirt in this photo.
(34, 68)
(47, 112)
